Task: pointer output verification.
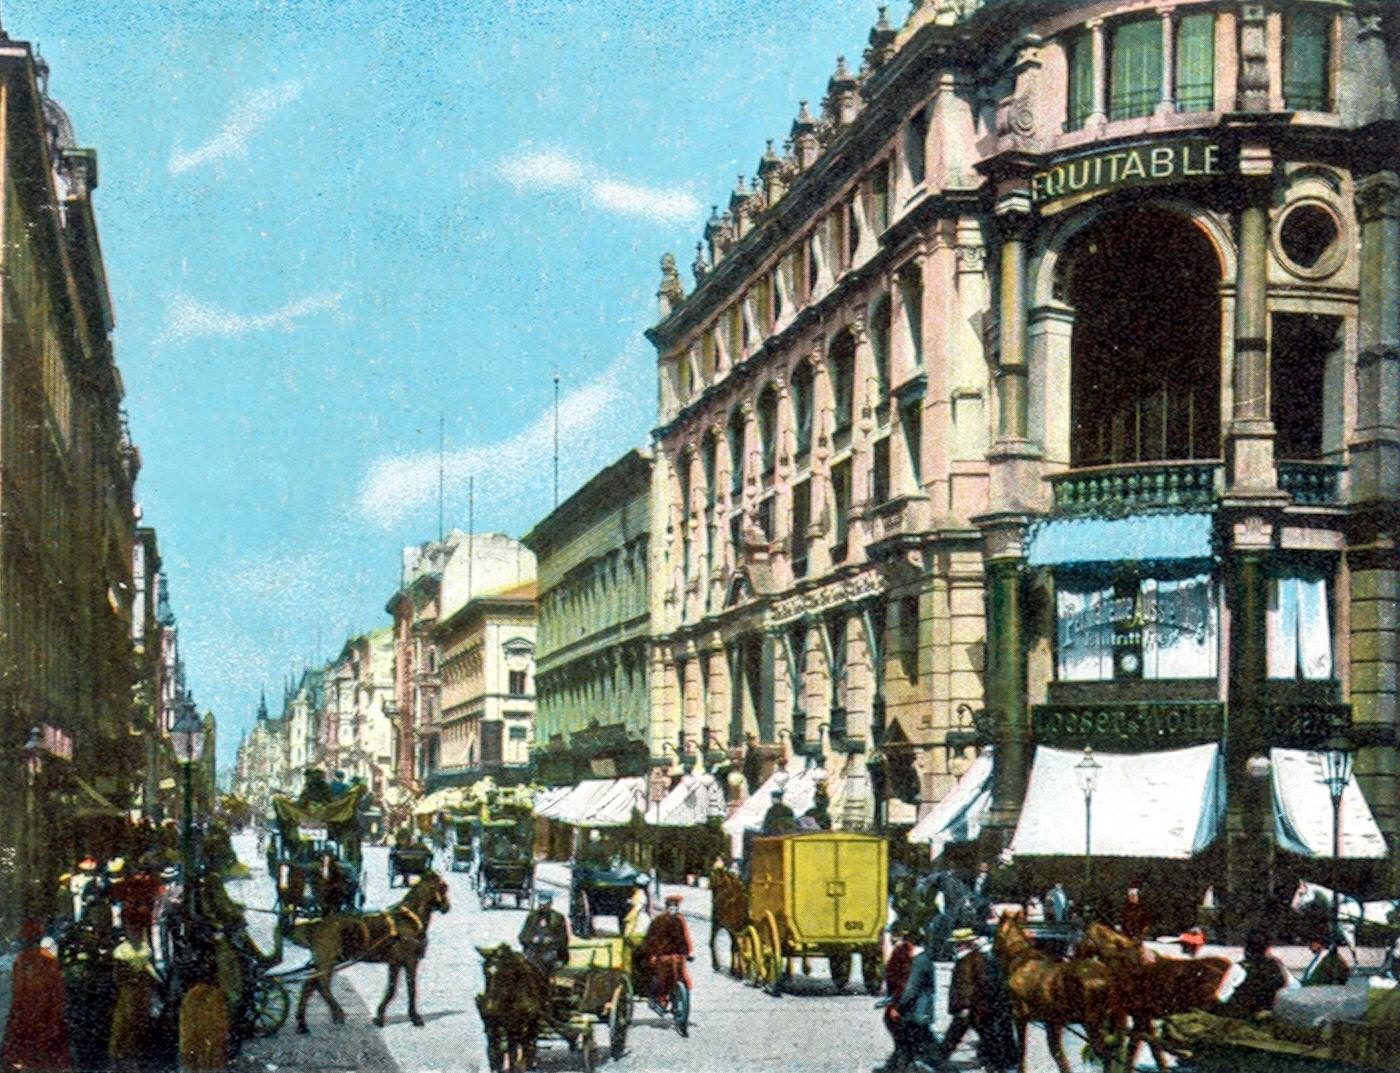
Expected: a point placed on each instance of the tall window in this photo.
(842, 363)
(911, 293)
(1195, 63)
(797, 668)
(1135, 68)
(768, 429)
(879, 215)
(801, 523)
(852, 229)
(736, 452)
(1299, 624)
(915, 139)
(709, 449)
(1307, 61)
(880, 471)
(836, 640)
(911, 419)
(841, 508)
(1081, 81)
(802, 407)
(517, 683)
(765, 518)
(880, 344)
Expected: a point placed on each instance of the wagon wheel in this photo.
(872, 968)
(840, 961)
(270, 1005)
(586, 1051)
(619, 1017)
(775, 964)
(752, 949)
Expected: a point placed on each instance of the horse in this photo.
(1055, 993)
(396, 937)
(729, 912)
(1147, 985)
(513, 1004)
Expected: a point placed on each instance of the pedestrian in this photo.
(85, 953)
(1134, 919)
(36, 1035)
(204, 1009)
(1191, 940)
(1057, 904)
(135, 976)
(1252, 990)
(978, 999)
(779, 819)
(80, 884)
(1327, 965)
(917, 1007)
(667, 950)
(897, 967)
(338, 784)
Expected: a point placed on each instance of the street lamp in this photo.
(1087, 772)
(187, 737)
(1336, 773)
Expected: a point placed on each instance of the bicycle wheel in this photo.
(680, 1007)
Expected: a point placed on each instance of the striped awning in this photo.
(1139, 537)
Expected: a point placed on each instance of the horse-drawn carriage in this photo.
(314, 856)
(507, 868)
(819, 894)
(408, 860)
(602, 890)
(467, 831)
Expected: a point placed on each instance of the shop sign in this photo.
(1113, 169)
(837, 594)
(1134, 725)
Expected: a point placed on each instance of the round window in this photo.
(1309, 240)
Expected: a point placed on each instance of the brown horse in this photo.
(1055, 993)
(1147, 985)
(513, 1005)
(729, 912)
(396, 937)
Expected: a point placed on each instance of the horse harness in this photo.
(388, 915)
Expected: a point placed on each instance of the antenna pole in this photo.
(556, 434)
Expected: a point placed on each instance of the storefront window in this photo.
(1135, 69)
(1154, 628)
(1299, 627)
(1195, 63)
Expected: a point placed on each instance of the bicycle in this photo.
(669, 974)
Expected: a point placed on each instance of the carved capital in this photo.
(1378, 197)
(971, 258)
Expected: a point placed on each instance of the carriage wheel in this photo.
(271, 1004)
(776, 963)
(753, 956)
(840, 961)
(872, 968)
(619, 1017)
(586, 1052)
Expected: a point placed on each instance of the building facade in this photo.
(594, 661)
(1042, 395)
(359, 738)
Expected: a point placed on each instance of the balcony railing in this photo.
(1110, 490)
(1311, 483)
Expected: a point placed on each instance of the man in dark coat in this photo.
(544, 937)
(1134, 918)
(36, 1035)
(668, 936)
(978, 999)
(897, 969)
(779, 819)
(1326, 967)
(1264, 978)
(916, 1010)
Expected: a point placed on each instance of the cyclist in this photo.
(667, 948)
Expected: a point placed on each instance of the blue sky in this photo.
(327, 224)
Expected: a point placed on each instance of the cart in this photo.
(464, 846)
(812, 895)
(408, 861)
(595, 988)
(507, 864)
(602, 890)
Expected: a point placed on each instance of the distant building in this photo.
(594, 661)
(359, 739)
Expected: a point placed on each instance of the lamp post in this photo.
(1087, 772)
(1336, 773)
(187, 738)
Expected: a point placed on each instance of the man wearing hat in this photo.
(668, 937)
(897, 969)
(544, 937)
(779, 819)
(916, 1008)
(1327, 965)
(977, 998)
(1134, 918)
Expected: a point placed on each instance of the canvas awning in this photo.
(547, 798)
(799, 788)
(1158, 804)
(575, 800)
(443, 800)
(958, 817)
(615, 807)
(1303, 810)
(692, 801)
(1149, 537)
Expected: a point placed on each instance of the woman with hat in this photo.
(36, 1035)
(977, 998)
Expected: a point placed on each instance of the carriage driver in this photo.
(544, 937)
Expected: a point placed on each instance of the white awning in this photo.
(1158, 804)
(451, 797)
(692, 801)
(1303, 810)
(615, 806)
(799, 788)
(579, 801)
(548, 798)
(958, 817)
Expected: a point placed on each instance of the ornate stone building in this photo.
(1042, 393)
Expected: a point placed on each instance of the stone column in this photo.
(1098, 116)
(1015, 459)
(1375, 446)
(1006, 681)
(1167, 103)
(823, 507)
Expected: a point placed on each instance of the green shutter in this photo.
(1081, 81)
(1307, 48)
(1195, 63)
(1136, 69)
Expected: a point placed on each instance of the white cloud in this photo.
(275, 577)
(188, 318)
(245, 119)
(556, 170)
(595, 423)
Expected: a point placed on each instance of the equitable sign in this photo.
(1113, 168)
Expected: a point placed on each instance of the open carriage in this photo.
(507, 861)
(314, 856)
(812, 895)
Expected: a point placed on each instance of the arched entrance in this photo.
(1145, 367)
